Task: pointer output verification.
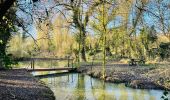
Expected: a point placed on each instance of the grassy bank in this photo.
(144, 77)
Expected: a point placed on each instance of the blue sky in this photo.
(148, 19)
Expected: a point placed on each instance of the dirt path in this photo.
(21, 85)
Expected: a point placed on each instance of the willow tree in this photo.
(62, 39)
(80, 17)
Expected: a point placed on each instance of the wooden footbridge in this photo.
(68, 68)
(53, 69)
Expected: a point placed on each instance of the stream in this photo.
(75, 86)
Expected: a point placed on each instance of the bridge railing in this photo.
(32, 60)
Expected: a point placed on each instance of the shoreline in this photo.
(22, 85)
(19, 84)
(132, 76)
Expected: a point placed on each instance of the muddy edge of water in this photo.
(133, 76)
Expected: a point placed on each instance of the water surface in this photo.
(74, 86)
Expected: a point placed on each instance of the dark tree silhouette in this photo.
(4, 6)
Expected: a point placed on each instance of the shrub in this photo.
(164, 50)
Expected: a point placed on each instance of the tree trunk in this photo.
(83, 50)
(1, 64)
(108, 52)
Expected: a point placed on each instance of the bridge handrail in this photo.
(30, 59)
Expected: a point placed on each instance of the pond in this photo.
(75, 86)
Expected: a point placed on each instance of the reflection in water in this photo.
(82, 87)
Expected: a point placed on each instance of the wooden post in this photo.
(51, 64)
(68, 62)
(33, 64)
(72, 63)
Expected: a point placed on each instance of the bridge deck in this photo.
(52, 69)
